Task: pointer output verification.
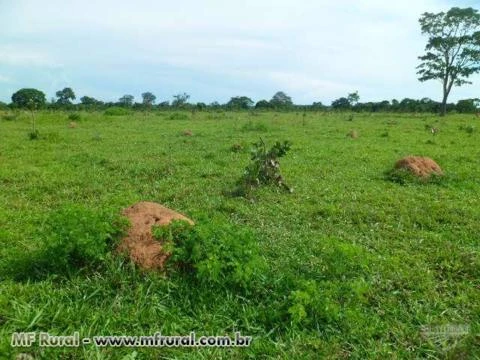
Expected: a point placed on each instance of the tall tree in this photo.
(353, 98)
(29, 98)
(126, 100)
(180, 100)
(148, 98)
(281, 100)
(240, 102)
(65, 96)
(341, 104)
(453, 48)
(263, 104)
(87, 100)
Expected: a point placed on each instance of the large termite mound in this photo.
(140, 245)
(419, 166)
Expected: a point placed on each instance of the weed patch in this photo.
(255, 126)
(116, 111)
(264, 168)
(212, 252)
(71, 239)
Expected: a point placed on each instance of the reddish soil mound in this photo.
(353, 134)
(139, 243)
(419, 166)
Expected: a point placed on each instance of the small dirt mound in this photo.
(187, 133)
(72, 125)
(353, 134)
(139, 244)
(419, 166)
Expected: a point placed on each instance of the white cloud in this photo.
(5, 79)
(15, 56)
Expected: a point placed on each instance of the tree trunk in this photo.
(447, 87)
(443, 110)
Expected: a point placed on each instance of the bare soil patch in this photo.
(140, 245)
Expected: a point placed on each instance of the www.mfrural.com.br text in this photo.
(44, 339)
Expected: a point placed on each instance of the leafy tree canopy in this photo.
(29, 98)
(240, 102)
(280, 99)
(180, 100)
(263, 104)
(126, 100)
(148, 98)
(87, 100)
(452, 50)
(65, 96)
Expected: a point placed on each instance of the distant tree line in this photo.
(280, 101)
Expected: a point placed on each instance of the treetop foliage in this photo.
(453, 48)
(65, 96)
(350, 102)
(29, 98)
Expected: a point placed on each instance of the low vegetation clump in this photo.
(10, 117)
(74, 117)
(469, 129)
(255, 126)
(179, 116)
(70, 240)
(236, 148)
(264, 168)
(213, 252)
(116, 111)
(34, 134)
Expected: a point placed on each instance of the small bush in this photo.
(403, 176)
(264, 168)
(236, 148)
(212, 252)
(255, 126)
(34, 135)
(71, 239)
(10, 117)
(179, 116)
(469, 129)
(116, 111)
(74, 117)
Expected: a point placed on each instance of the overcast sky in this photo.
(314, 50)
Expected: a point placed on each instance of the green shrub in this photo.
(212, 252)
(304, 301)
(404, 176)
(255, 126)
(116, 111)
(71, 239)
(179, 116)
(10, 117)
(236, 147)
(33, 135)
(264, 168)
(74, 117)
(469, 129)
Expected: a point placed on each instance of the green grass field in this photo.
(357, 266)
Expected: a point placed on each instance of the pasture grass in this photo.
(356, 265)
